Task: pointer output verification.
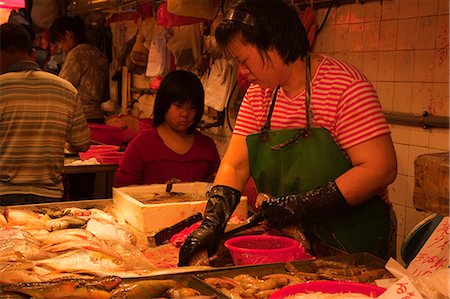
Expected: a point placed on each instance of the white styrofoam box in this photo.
(154, 217)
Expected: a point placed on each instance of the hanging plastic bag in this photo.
(139, 52)
(158, 57)
(167, 19)
(186, 46)
(205, 9)
(219, 83)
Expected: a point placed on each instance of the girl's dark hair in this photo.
(65, 23)
(179, 86)
(275, 25)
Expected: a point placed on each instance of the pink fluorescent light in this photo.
(12, 3)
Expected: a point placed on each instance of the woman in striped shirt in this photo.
(311, 133)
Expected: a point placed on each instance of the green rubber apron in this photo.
(293, 161)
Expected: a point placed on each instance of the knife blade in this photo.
(165, 234)
(250, 222)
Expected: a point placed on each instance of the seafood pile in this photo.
(262, 286)
(100, 288)
(38, 246)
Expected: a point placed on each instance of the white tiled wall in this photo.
(403, 48)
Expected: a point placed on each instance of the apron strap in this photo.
(266, 127)
(302, 132)
(308, 92)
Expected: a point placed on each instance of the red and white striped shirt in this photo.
(342, 100)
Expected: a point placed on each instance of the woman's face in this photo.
(269, 73)
(180, 117)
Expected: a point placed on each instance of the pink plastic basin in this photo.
(263, 249)
(329, 287)
(95, 151)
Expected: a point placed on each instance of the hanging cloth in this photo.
(294, 161)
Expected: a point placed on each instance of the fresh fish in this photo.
(93, 263)
(84, 261)
(76, 212)
(15, 241)
(16, 265)
(130, 255)
(26, 219)
(9, 247)
(51, 212)
(143, 289)
(57, 275)
(65, 235)
(97, 245)
(7, 233)
(64, 222)
(182, 292)
(19, 275)
(11, 257)
(59, 289)
(37, 232)
(50, 274)
(3, 221)
(109, 230)
(107, 283)
(100, 214)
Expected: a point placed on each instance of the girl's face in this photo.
(180, 117)
(268, 73)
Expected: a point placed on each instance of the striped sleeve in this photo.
(79, 133)
(359, 115)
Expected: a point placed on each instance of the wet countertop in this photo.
(70, 168)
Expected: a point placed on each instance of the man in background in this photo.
(85, 66)
(40, 112)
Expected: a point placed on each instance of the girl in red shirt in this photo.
(172, 148)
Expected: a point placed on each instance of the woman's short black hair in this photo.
(266, 24)
(65, 23)
(15, 38)
(179, 86)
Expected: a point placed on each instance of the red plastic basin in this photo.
(107, 134)
(329, 287)
(95, 151)
(263, 249)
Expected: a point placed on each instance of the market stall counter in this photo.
(87, 181)
(89, 244)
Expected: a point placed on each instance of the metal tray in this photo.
(194, 279)
(187, 279)
(356, 259)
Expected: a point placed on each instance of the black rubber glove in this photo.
(222, 201)
(282, 211)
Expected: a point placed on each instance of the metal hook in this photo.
(425, 114)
